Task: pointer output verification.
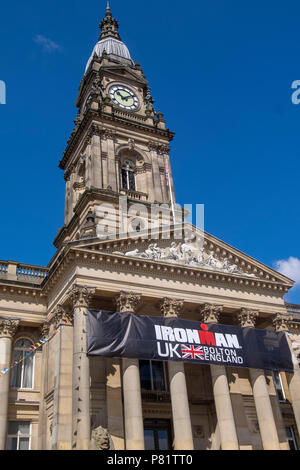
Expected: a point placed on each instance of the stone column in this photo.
(133, 412)
(7, 332)
(81, 428)
(281, 323)
(61, 438)
(183, 435)
(266, 421)
(229, 441)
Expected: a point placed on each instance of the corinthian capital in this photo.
(45, 329)
(171, 307)
(61, 317)
(8, 327)
(127, 301)
(247, 317)
(210, 313)
(281, 321)
(81, 296)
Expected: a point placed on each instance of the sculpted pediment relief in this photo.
(197, 250)
(185, 253)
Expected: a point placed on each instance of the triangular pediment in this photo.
(197, 251)
(125, 72)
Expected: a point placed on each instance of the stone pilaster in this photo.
(183, 435)
(61, 437)
(81, 428)
(210, 313)
(133, 411)
(266, 421)
(8, 329)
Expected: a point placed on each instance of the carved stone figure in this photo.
(101, 439)
(187, 254)
(132, 253)
(153, 252)
(175, 254)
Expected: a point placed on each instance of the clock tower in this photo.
(119, 146)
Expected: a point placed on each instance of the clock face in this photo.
(124, 97)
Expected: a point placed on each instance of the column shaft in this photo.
(183, 436)
(62, 412)
(294, 388)
(133, 413)
(229, 440)
(81, 383)
(5, 359)
(264, 410)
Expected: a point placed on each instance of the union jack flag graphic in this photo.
(192, 352)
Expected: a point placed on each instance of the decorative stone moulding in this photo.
(8, 327)
(127, 301)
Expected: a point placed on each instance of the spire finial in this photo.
(109, 26)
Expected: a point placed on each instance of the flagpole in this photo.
(170, 190)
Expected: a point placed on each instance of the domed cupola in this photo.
(110, 41)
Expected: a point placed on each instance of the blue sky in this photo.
(220, 71)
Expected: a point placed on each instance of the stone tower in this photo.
(119, 146)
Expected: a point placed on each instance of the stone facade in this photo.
(75, 402)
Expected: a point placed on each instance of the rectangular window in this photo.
(153, 376)
(157, 434)
(278, 386)
(18, 436)
(291, 438)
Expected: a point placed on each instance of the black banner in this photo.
(172, 339)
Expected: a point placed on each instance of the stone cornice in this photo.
(165, 270)
(100, 116)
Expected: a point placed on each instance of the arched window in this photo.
(128, 176)
(22, 374)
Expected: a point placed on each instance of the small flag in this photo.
(167, 174)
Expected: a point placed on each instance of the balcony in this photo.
(134, 194)
(14, 271)
(154, 396)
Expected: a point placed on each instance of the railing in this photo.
(3, 267)
(134, 194)
(12, 270)
(155, 396)
(33, 273)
